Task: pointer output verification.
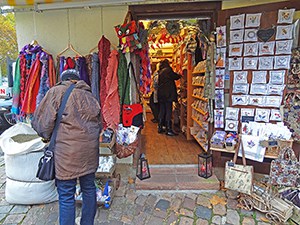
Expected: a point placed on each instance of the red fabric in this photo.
(51, 71)
(111, 105)
(131, 111)
(32, 88)
(69, 64)
(22, 79)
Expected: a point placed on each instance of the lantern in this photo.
(205, 165)
(143, 171)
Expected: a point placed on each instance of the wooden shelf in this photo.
(225, 150)
(200, 143)
(200, 111)
(199, 123)
(201, 98)
(199, 85)
(198, 72)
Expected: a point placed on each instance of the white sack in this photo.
(26, 193)
(10, 147)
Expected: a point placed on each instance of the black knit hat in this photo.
(70, 74)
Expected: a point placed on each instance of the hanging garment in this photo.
(95, 76)
(122, 74)
(88, 62)
(111, 105)
(69, 64)
(44, 79)
(51, 71)
(82, 68)
(16, 89)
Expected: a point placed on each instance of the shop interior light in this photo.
(83, 4)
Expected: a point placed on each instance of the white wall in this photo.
(50, 28)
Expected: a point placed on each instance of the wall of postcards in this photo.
(259, 53)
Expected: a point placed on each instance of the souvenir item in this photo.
(250, 35)
(239, 99)
(284, 32)
(219, 118)
(253, 20)
(235, 49)
(231, 125)
(284, 47)
(250, 49)
(219, 81)
(277, 77)
(293, 79)
(285, 169)
(221, 36)
(253, 150)
(259, 89)
(262, 115)
(240, 88)
(250, 63)
(285, 15)
(282, 62)
(273, 101)
(245, 128)
(221, 57)
(237, 21)
(259, 77)
(275, 89)
(235, 63)
(275, 115)
(265, 34)
(256, 100)
(239, 177)
(266, 48)
(240, 77)
(232, 113)
(126, 141)
(266, 63)
(247, 112)
(236, 36)
(219, 98)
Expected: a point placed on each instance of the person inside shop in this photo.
(76, 151)
(167, 94)
(153, 102)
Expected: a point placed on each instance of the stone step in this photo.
(176, 178)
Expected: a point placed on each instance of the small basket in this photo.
(229, 146)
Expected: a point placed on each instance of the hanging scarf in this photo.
(95, 76)
(44, 79)
(122, 74)
(83, 70)
(16, 89)
(51, 71)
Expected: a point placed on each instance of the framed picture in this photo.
(235, 63)
(219, 118)
(250, 63)
(284, 32)
(219, 98)
(277, 77)
(275, 89)
(285, 15)
(266, 48)
(239, 99)
(284, 47)
(240, 88)
(235, 49)
(221, 36)
(256, 100)
(259, 77)
(231, 125)
(262, 115)
(250, 49)
(237, 22)
(236, 36)
(240, 77)
(282, 62)
(275, 115)
(247, 112)
(273, 101)
(259, 89)
(250, 35)
(253, 20)
(266, 63)
(219, 81)
(232, 113)
(221, 57)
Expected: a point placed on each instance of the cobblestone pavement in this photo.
(139, 208)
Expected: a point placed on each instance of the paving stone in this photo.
(148, 209)
(230, 194)
(232, 217)
(121, 192)
(172, 218)
(219, 209)
(216, 220)
(115, 215)
(53, 217)
(188, 203)
(203, 212)
(232, 203)
(140, 218)
(151, 200)
(162, 205)
(186, 212)
(5, 208)
(175, 204)
(201, 222)
(127, 219)
(248, 221)
(113, 222)
(247, 212)
(15, 218)
(185, 221)
(155, 221)
(131, 196)
(159, 213)
(193, 196)
(102, 215)
(220, 194)
(19, 209)
(140, 200)
(204, 201)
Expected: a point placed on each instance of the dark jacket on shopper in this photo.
(76, 150)
(166, 84)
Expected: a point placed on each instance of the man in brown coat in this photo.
(76, 151)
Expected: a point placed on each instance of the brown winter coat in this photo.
(77, 143)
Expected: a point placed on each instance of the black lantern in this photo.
(143, 171)
(205, 165)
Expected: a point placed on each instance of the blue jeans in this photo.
(66, 191)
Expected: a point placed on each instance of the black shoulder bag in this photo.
(46, 169)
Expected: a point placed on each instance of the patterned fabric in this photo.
(122, 74)
(82, 68)
(44, 79)
(95, 76)
(16, 89)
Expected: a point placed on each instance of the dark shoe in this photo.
(170, 131)
(161, 128)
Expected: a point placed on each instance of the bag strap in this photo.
(59, 116)
(237, 152)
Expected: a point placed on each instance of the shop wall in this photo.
(50, 28)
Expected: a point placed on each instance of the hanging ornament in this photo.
(173, 27)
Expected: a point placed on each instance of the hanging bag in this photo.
(46, 169)
(239, 177)
(285, 170)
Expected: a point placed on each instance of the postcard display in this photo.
(259, 57)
